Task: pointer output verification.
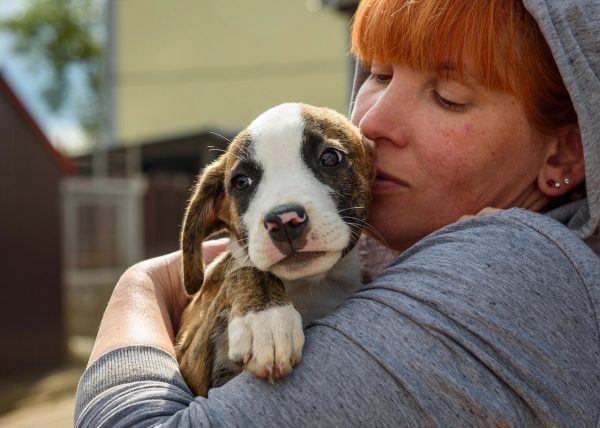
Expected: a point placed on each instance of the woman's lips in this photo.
(385, 183)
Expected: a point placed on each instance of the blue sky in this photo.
(61, 128)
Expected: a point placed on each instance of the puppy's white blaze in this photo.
(277, 145)
(267, 342)
(276, 119)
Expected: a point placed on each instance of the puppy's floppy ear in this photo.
(200, 220)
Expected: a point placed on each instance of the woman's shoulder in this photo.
(515, 236)
(515, 294)
(514, 255)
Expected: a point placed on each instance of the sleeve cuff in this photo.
(127, 365)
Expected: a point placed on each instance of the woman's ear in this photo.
(563, 167)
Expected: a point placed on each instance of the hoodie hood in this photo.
(572, 30)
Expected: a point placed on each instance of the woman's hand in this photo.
(212, 248)
(144, 308)
(146, 305)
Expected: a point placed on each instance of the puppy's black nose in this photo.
(286, 223)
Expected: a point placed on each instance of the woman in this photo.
(485, 321)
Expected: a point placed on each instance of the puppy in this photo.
(293, 192)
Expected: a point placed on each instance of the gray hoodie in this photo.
(492, 321)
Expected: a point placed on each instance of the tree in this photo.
(60, 35)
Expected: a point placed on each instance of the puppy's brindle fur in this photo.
(292, 190)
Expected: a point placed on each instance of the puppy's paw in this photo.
(268, 343)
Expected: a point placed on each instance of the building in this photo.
(31, 307)
(184, 66)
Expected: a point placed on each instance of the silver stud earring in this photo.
(567, 181)
(553, 183)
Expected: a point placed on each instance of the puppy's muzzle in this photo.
(287, 226)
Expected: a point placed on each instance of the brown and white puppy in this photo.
(293, 191)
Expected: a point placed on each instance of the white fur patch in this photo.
(269, 343)
(316, 297)
(277, 138)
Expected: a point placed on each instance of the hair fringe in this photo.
(495, 41)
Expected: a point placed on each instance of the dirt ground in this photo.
(47, 398)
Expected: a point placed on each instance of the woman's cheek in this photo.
(453, 152)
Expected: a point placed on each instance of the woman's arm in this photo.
(144, 308)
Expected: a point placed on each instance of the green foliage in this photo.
(59, 34)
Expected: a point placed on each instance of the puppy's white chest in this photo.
(315, 298)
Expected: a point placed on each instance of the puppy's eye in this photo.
(241, 182)
(330, 157)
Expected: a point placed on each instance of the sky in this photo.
(61, 128)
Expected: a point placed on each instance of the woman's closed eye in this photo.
(448, 104)
(381, 72)
(380, 77)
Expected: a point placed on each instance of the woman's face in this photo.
(444, 147)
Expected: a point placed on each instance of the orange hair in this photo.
(506, 51)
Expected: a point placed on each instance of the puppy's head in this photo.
(292, 189)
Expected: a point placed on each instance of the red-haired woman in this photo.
(481, 321)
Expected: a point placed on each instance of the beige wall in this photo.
(187, 65)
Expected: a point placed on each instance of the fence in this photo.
(102, 235)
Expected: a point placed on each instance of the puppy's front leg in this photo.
(265, 330)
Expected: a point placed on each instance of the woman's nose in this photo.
(383, 118)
